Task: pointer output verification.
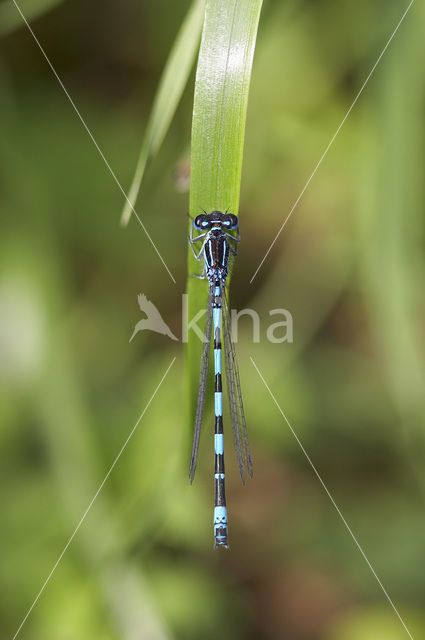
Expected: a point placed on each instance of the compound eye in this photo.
(200, 222)
(233, 221)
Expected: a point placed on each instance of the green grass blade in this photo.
(171, 87)
(218, 128)
(10, 18)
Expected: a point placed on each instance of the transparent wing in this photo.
(237, 414)
(201, 389)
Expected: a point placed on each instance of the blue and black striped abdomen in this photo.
(220, 511)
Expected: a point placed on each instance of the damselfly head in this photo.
(216, 219)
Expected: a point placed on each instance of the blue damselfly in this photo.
(218, 249)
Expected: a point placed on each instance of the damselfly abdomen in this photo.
(218, 249)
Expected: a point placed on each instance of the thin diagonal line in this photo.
(92, 501)
(332, 140)
(102, 155)
(331, 499)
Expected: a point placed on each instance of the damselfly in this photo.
(218, 249)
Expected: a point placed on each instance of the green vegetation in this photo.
(218, 127)
(348, 266)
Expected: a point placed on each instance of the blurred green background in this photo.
(349, 267)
